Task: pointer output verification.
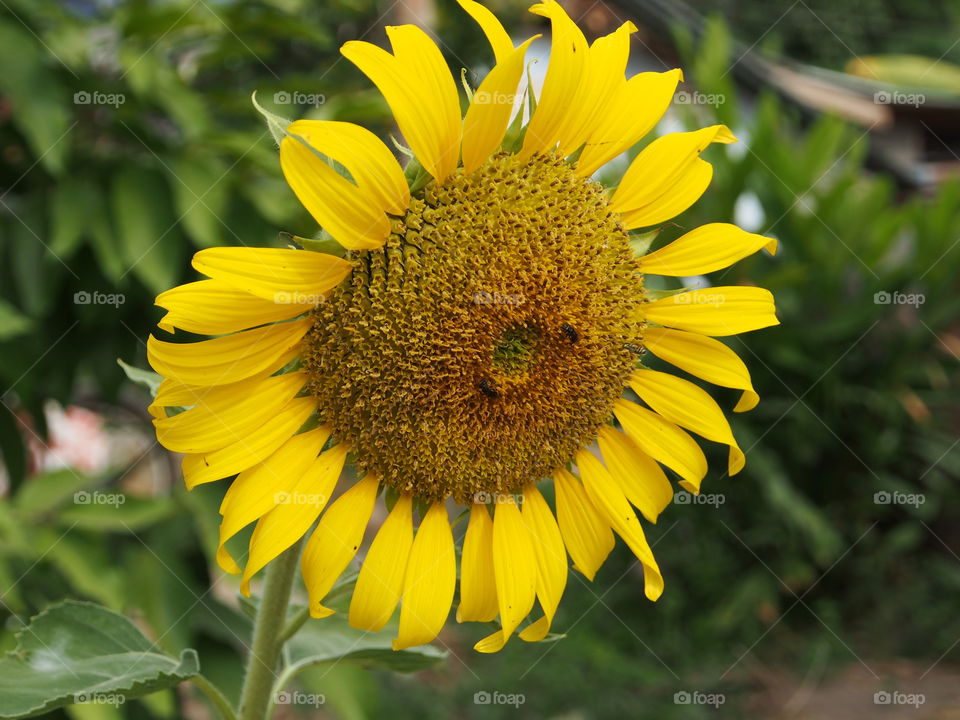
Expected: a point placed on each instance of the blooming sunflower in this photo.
(474, 338)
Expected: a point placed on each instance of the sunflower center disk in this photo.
(487, 340)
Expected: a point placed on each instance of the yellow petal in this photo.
(705, 358)
(613, 506)
(515, 570)
(717, 311)
(280, 275)
(295, 512)
(478, 587)
(636, 107)
(586, 534)
(708, 248)
(429, 582)
(231, 358)
(489, 113)
(352, 214)
(243, 454)
(666, 177)
(639, 476)
(683, 403)
(220, 419)
(568, 62)
(336, 540)
(372, 165)
(381, 578)
(257, 491)
(214, 307)
(421, 92)
(551, 558)
(664, 442)
(601, 81)
(498, 38)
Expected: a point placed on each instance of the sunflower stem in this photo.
(268, 636)
(217, 698)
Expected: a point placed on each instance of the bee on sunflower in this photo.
(472, 342)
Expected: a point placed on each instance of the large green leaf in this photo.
(38, 102)
(81, 652)
(145, 224)
(12, 321)
(332, 640)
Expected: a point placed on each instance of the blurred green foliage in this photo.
(828, 33)
(859, 396)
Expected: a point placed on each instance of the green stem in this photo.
(216, 697)
(296, 622)
(268, 636)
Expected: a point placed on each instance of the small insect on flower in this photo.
(378, 359)
(488, 388)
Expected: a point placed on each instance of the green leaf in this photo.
(332, 640)
(276, 124)
(200, 193)
(109, 510)
(38, 102)
(12, 322)
(70, 206)
(50, 490)
(76, 652)
(144, 222)
(149, 379)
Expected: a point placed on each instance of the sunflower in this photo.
(480, 332)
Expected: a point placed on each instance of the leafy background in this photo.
(798, 584)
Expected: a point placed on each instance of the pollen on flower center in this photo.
(486, 341)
